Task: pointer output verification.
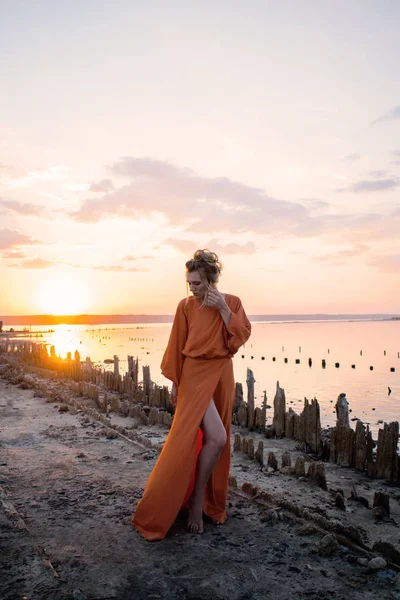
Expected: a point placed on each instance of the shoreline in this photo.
(268, 503)
(94, 320)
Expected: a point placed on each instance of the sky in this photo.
(134, 133)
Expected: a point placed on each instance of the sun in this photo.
(63, 294)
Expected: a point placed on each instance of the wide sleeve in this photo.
(239, 329)
(172, 362)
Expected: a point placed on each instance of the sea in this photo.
(310, 358)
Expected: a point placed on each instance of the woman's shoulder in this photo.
(232, 300)
(185, 303)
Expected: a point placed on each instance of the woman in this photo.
(209, 327)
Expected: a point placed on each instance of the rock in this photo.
(259, 455)
(78, 595)
(274, 518)
(376, 563)
(286, 459)
(272, 462)
(307, 529)
(63, 408)
(286, 470)
(250, 449)
(111, 434)
(379, 513)
(328, 545)
(390, 552)
(237, 442)
(339, 501)
(298, 468)
(247, 488)
(270, 516)
(362, 561)
(232, 481)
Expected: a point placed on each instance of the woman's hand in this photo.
(215, 298)
(174, 394)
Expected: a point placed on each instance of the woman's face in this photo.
(197, 285)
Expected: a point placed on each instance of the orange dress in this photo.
(198, 360)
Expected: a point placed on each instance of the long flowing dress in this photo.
(198, 359)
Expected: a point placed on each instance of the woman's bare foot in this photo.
(195, 517)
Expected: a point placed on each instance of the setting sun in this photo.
(63, 294)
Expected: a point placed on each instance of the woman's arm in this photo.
(172, 362)
(239, 328)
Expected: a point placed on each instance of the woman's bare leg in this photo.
(214, 442)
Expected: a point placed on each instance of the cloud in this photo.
(376, 185)
(152, 168)
(105, 185)
(196, 203)
(34, 263)
(189, 247)
(8, 170)
(129, 257)
(9, 239)
(116, 269)
(388, 264)
(340, 257)
(315, 203)
(389, 116)
(231, 248)
(14, 254)
(370, 227)
(351, 158)
(50, 174)
(20, 208)
(378, 174)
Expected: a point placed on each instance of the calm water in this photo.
(335, 341)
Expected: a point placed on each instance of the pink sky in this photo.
(133, 135)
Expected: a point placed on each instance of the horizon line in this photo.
(93, 315)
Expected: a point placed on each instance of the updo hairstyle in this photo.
(207, 264)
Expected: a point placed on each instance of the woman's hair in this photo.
(207, 264)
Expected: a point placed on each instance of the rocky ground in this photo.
(68, 488)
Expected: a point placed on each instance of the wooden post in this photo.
(386, 455)
(342, 411)
(238, 396)
(147, 383)
(250, 398)
(116, 365)
(361, 447)
(279, 411)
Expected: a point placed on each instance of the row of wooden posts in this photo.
(323, 363)
(341, 444)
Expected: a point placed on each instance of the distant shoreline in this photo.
(35, 320)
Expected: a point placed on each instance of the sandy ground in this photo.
(68, 492)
